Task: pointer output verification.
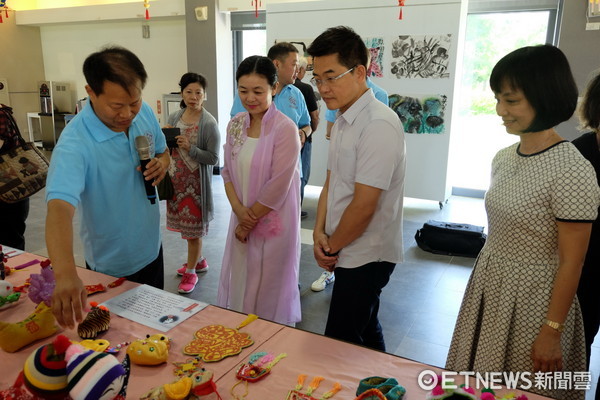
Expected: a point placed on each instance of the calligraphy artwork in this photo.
(215, 342)
(420, 114)
(425, 56)
(375, 47)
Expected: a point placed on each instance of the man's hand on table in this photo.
(68, 300)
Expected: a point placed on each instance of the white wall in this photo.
(427, 154)
(65, 47)
(225, 73)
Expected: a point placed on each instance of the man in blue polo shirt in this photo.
(95, 170)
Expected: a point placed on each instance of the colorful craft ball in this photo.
(45, 370)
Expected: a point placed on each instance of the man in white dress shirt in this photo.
(358, 229)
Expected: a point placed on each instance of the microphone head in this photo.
(142, 145)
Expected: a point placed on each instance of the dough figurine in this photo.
(152, 350)
(199, 384)
(95, 322)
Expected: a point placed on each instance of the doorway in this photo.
(249, 35)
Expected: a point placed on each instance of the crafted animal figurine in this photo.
(40, 324)
(42, 285)
(95, 375)
(152, 350)
(7, 294)
(95, 322)
(186, 388)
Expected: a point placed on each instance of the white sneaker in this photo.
(325, 279)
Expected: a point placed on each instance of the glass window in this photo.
(480, 134)
(254, 43)
(249, 35)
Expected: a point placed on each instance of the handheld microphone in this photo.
(142, 145)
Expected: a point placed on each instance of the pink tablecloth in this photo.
(307, 353)
(317, 355)
(142, 377)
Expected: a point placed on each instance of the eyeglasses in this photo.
(330, 81)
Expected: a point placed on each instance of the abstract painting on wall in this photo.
(375, 47)
(420, 113)
(421, 56)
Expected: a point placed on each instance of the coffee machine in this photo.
(56, 103)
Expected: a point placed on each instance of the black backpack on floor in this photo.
(452, 239)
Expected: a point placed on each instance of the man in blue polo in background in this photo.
(313, 110)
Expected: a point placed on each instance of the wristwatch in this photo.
(554, 325)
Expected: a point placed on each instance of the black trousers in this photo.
(152, 274)
(355, 304)
(305, 154)
(12, 223)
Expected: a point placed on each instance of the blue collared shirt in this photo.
(94, 169)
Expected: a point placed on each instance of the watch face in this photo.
(555, 325)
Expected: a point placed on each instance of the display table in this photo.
(307, 353)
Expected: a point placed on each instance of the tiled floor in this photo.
(419, 305)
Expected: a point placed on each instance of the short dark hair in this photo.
(115, 64)
(279, 51)
(589, 110)
(348, 45)
(543, 74)
(191, 77)
(257, 65)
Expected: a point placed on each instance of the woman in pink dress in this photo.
(259, 273)
(191, 209)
